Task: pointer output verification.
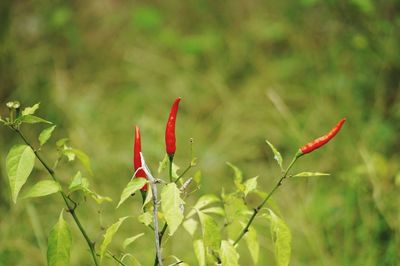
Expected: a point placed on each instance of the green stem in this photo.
(183, 173)
(171, 159)
(71, 209)
(259, 207)
(162, 232)
(115, 258)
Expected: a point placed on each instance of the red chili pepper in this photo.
(170, 140)
(137, 163)
(315, 144)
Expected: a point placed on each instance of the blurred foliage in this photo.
(247, 71)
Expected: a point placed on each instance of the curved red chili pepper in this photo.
(315, 144)
(170, 140)
(137, 163)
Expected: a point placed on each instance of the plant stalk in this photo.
(259, 207)
(71, 209)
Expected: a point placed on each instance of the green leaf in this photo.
(19, 164)
(171, 204)
(175, 169)
(277, 155)
(59, 244)
(215, 210)
(98, 198)
(190, 226)
(163, 164)
(253, 244)
(309, 174)
(130, 240)
(197, 177)
(79, 183)
(31, 119)
(202, 202)
(250, 185)
(235, 208)
(30, 110)
(146, 218)
(62, 142)
(238, 178)
(200, 252)
(147, 200)
(45, 135)
(132, 187)
(228, 254)
(282, 239)
(108, 236)
(43, 188)
(206, 200)
(70, 155)
(133, 260)
(210, 230)
(83, 157)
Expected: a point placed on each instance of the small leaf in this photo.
(133, 260)
(215, 210)
(147, 200)
(69, 154)
(197, 177)
(163, 164)
(132, 187)
(228, 254)
(235, 208)
(250, 185)
(45, 135)
(171, 206)
(238, 179)
(98, 198)
(146, 218)
(206, 200)
(19, 164)
(175, 169)
(31, 119)
(43, 188)
(210, 230)
(30, 110)
(83, 157)
(277, 155)
(79, 183)
(59, 244)
(253, 244)
(200, 252)
(202, 202)
(108, 236)
(282, 239)
(190, 226)
(309, 174)
(130, 240)
(62, 142)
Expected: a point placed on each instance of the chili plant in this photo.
(216, 223)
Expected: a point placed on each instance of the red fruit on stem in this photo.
(315, 144)
(137, 163)
(170, 140)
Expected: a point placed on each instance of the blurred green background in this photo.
(247, 71)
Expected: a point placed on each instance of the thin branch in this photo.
(153, 185)
(259, 207)
(184, 172)
(115, 258)
(183, 188)
(71, 209)
(186, 184)
(176, 263)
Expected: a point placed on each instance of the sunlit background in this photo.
(247, 71)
